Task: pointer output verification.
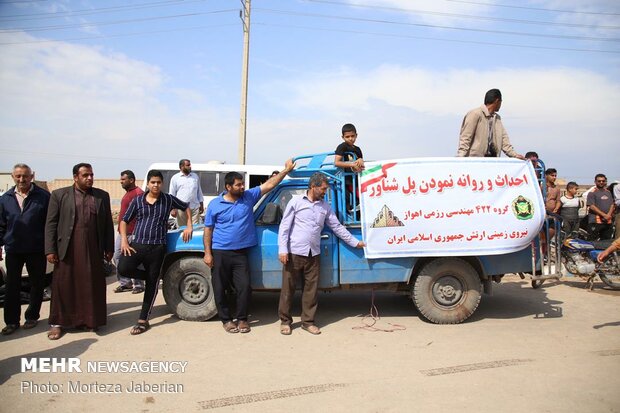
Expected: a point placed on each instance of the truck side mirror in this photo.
(272, 214)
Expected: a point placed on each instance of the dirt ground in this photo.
(554, 349)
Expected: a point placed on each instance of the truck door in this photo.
(265, 268)
(329, 250)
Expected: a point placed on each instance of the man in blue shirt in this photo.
(229, 232)
(299, 249)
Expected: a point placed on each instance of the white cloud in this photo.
(61, 99)
(430, 11)
(118, 112)
(533, 93)
(593, 12)
(565, 114)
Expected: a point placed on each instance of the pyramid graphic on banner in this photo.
(386, 218)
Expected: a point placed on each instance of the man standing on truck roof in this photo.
(482, 131)
(185, 185)
(229, 232)
(23, 210)
(299, 249)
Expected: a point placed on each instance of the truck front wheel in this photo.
(447, 291)
(188, 290)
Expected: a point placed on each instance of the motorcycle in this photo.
(579, 258)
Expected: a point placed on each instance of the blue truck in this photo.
(444, 290)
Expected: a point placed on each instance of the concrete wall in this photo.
(111, 186)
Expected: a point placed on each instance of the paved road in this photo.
(556, 349)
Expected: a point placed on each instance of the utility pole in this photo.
(245, 17)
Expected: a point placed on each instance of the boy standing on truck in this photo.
(299, 250)
(344, 158)
(229, 232)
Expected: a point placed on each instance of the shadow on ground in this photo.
(509, 300)
(12, 365)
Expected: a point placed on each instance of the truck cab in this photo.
(444, 289)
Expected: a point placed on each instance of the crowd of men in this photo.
(72, 229)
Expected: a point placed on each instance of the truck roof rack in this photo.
(319, 162)
(324, 163)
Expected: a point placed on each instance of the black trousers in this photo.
(36, 265)
(600, 231)
(152, 257)
(231, 268)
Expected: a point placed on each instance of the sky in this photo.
(123, 84)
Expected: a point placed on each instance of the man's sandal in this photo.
(312, 329)
(139, 328)
(30, 324)
(55, 333)
(231, 327)
(123, 288)
(9, 329)
(243, 326)
(285, 329)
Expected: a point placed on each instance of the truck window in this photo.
(167, 177)
(256, 180)
(285, 195)
(209, 182)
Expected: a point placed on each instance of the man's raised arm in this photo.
(275, 180)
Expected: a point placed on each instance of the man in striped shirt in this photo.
(148, 246)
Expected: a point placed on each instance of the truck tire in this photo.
(447, 291)
(188, 290)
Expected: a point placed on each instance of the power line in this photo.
(440, 39)
(23, 1)
(96, 24)
(435, 26)
(119, 35)
(467, 16)
(84, 12)
(314, 29)
(535, 8)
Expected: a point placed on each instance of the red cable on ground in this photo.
(369, 320)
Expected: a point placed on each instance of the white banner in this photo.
(423, 207)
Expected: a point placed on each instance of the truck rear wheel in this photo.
(447, 291)
(188, 290)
